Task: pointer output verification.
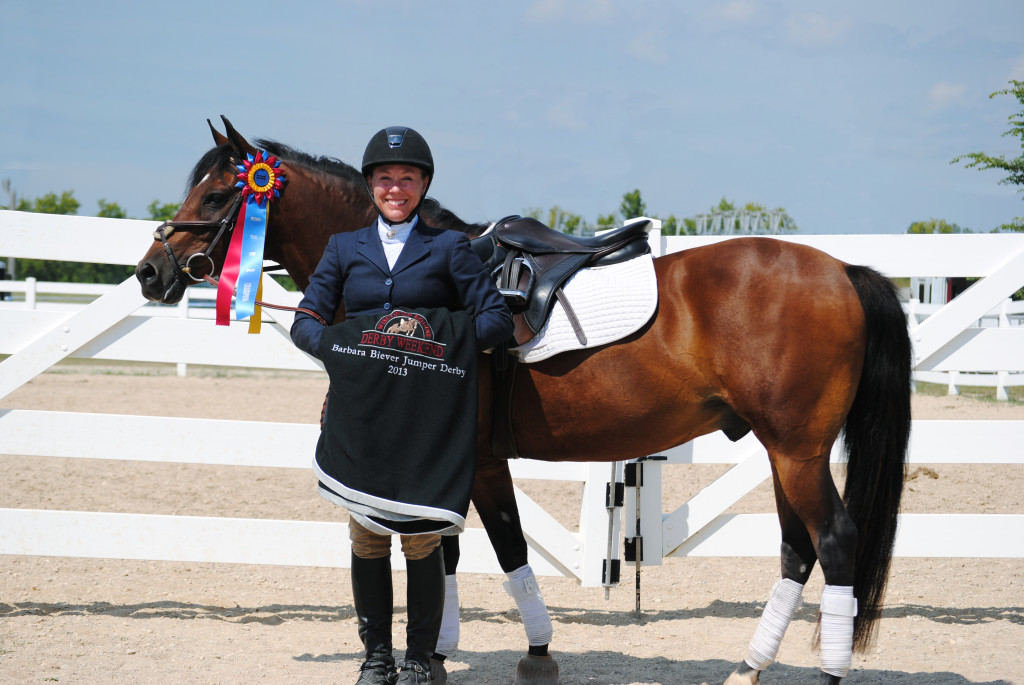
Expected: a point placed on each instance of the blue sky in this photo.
(845, 114)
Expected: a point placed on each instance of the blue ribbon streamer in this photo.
(251, 264)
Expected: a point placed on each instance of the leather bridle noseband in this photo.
(223, 226)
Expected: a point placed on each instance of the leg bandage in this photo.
(523, 588)
(838, 607)
(782, 604)
(448, 638)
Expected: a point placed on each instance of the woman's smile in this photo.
(397, 190)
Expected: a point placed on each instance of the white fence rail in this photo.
(120, 326)
(1008, 314)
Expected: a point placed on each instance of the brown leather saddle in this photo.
(530, 264)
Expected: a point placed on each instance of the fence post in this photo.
(1003, 377)
(594, 522)
(183, 306)
(912, 304)
(30, 292)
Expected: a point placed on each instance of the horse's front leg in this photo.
(448, 637)
(495, 502)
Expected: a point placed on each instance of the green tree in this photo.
(557, 218)
(73, 272)
(51, 203)
(1013, 167)
(162, 212)
(725, 219)
(936, 226)
(673, 225)
(632, 205)
(111, 210)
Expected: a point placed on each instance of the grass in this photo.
(976, 392)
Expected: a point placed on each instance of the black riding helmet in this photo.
(398, 145)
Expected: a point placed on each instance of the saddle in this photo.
(530, 263)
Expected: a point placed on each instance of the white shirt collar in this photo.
(400, 232)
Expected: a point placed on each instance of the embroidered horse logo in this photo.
(406, 326)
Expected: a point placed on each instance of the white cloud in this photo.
(564, 114)
(736, 10)
(815, 30)
(649, 47)
(586, 10)
(943, 94)
(1017, 73)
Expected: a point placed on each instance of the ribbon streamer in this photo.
(261, 180)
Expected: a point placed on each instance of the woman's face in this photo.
(397, 190)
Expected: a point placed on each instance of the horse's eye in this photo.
(215, 200)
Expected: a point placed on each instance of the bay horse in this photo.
(750, 334)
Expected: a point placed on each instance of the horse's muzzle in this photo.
(159, 284)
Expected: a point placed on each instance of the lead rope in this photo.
(323, 322)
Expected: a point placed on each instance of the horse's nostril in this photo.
(145, 272)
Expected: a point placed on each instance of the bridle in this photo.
(223, 226)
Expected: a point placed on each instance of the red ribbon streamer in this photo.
(229, 274)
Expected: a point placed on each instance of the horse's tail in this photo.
(877, 432)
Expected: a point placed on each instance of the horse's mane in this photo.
(220, 157)
(436, 215)
(328, 165)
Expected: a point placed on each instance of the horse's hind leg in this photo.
(834, 535)
(798, 558)
(812, 495)
(814, 523)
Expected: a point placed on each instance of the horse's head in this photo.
(324, 195)
(194, 243)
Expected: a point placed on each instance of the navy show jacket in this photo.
(436, 268)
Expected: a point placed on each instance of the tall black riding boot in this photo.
(426, 605)
(374, 600)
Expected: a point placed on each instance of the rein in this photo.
(215, 282)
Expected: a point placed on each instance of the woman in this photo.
(399, 261)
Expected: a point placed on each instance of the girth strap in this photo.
(503, 378)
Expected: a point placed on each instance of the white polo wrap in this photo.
(523, 588)
(782, 604)
(448, 638)
(838, 608)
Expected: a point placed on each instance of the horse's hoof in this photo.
(536, 670)
(748, 678)
(438, 674)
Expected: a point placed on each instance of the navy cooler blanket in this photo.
(398, 444)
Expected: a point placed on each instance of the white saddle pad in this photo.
(610, 302)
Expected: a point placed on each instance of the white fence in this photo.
(1006, 315)
(120, 326)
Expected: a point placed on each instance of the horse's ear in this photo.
(236, 139)
(218, 137)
